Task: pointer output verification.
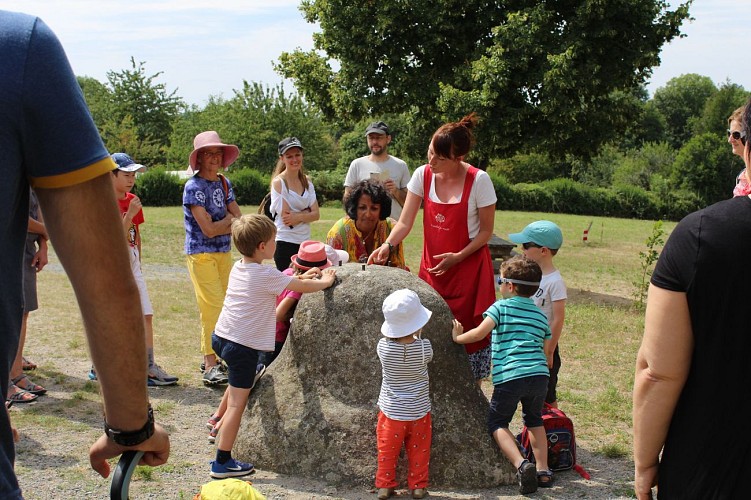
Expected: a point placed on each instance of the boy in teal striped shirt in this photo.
(521, 347)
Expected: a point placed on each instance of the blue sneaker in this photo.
(92, 374)
(231, 468)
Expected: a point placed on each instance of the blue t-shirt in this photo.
(211, 197)
(517, 339)
(47, 137)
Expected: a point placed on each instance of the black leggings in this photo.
(284, 251)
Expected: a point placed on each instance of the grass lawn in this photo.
(601, 334)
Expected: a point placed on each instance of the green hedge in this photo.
(158, 188)
(250, 186)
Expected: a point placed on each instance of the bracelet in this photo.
(391, 247)
(132, 438)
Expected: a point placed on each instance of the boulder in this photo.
(314, 412)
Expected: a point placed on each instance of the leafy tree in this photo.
(546, 75)
(98, 98)
(717, 109)
(256, 118)
(136, 98)
(639, 166)
(705, 165)
(681, 100)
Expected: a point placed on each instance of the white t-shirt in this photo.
(248, 316)
(481, 195)
(552, 288)
(361, 168)
(297, 203)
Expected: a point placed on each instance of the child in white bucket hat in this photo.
(404, 402)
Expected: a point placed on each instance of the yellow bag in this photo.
(229, 489)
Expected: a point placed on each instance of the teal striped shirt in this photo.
(517, 339)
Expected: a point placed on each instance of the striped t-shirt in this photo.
(517, 339)
(404, 389)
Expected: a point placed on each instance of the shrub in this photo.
(531, 167)
(635, 202)
(569, 196)
(533, 198)
(250, 186)
(157, 188)
(329, 185)
(505, 193)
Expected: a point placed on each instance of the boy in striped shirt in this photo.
(521, 347)
(404, 402)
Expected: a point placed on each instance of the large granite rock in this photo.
(314, 412)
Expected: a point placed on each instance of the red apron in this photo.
(468, 286)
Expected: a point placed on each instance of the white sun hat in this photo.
(336, 256)
(404, 314)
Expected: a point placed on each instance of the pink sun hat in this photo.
(311, 254)
(211, 139)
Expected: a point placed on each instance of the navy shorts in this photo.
(241, 361)
(529, 390)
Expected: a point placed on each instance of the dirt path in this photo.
(57, 430)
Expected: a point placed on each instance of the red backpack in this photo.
(561, 441)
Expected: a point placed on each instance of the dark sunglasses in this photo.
(737, 135)
(529, 244)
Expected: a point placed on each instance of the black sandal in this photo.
(545, 478)
(525, 475)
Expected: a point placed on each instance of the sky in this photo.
(206, 48)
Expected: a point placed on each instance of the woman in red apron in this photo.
(459, 213)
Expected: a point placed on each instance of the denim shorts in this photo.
(529, 390)
(241, 361)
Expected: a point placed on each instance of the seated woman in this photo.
(366, 225)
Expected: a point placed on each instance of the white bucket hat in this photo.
(336, 256)
(404, 314)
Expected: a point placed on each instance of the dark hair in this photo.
(524, 269)
(377, 193)
(455, 139)
(746, 125)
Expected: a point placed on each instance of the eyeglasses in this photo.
(529, 244)
(503, 280)
(737, 134)
(212, 154)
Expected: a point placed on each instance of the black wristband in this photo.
(391, 247)
(132, 438)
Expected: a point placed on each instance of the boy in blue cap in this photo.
(541, 241)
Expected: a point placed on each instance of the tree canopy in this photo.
(551, 76)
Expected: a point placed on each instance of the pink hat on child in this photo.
(311, 254)
(211, 139)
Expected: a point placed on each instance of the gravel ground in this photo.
(52, 460)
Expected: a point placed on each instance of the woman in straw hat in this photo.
(209, 206)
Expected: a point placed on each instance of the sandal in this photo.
(545, 478)
(526, 477)
(28, 365)
(19, 396)
(28, 385)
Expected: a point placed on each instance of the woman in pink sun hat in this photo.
(209, 206)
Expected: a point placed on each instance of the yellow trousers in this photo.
(209, 273)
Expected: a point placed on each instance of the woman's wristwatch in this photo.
(391, 247)
(132, 438)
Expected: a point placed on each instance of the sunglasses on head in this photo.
(529, 244)
(737, 135)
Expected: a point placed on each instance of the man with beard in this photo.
(381, 167)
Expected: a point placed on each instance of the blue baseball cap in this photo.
(126, 163)
(542, 232)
